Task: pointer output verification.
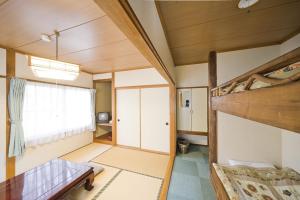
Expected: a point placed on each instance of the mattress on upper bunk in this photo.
(249, 183)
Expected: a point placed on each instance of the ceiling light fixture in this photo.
(53, 69)
(45, 37)
(246, 3)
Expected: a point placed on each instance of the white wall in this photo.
(263, 142)
(234, 63)
(148, 16)
(243, 139)
(149, 76)
(290, 150)
(290, 44)
(2, 127)
(290, 141)
(2, 62)
(2, 115)
(192, 75)
(102, 76)
(43, 153)
(240, 138)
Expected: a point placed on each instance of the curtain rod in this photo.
(46, 82)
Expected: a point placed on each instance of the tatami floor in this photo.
(190, 177)
(128, 174)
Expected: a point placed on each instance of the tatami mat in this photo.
(147, 163)
(131, 186)
(100, 181)
(86, 153)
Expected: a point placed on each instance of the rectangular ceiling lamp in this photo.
(53, 69)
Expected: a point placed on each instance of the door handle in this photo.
(118, 120)
(167, 123)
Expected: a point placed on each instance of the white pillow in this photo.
(251, 164)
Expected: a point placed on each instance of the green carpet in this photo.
(190, 176)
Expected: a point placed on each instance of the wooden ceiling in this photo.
(87, 36)
(194, 28)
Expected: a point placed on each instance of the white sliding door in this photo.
(199, 109)
(128, 117)
(155, 119)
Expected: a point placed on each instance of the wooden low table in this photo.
(51, 180)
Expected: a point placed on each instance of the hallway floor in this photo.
(190, 176)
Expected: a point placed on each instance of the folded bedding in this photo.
(249, 183)
(282, 73)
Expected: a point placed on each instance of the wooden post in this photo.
(173, 138)
(113, 111)
(10, 72)
(212, 114)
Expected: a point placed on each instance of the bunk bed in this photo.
(268, 94)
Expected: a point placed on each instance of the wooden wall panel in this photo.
(194, 28)
(88, 36)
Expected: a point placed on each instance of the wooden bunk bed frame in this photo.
(221, 193)
(277, 105)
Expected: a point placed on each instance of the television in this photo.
(102, 117)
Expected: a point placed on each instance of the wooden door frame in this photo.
(207, 111)
(172, 112)
(113, 109)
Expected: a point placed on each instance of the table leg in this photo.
(89, 182)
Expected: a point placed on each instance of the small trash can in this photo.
(183, 146)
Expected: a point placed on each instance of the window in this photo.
(52, 112)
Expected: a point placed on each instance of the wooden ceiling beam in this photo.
(123, 16)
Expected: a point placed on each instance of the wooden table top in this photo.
(48, 181)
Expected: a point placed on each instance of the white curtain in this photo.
(52, 112)
(15, 106)
(93, 109)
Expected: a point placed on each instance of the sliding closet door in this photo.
(184, 105)
(155, 119)
(199, 109)
(128, 117)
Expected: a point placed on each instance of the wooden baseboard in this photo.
(103, 141)
(167, 179)
(140, 149)
(192, 132)
(202, 145)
